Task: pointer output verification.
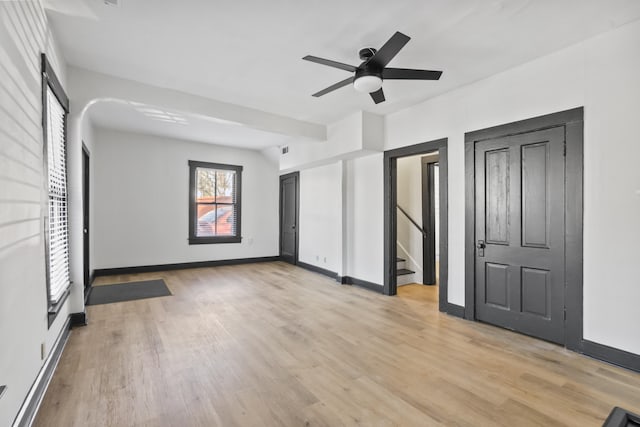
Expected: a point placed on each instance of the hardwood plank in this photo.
(272, 344)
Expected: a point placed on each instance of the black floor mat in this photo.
(106, 294)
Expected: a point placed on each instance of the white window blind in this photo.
(57, 232)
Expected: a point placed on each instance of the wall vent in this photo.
(112, 3)
(285, 149)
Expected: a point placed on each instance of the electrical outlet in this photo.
(317, 257)
(43, 352)
(325, 260)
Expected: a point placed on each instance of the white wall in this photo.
(320, 228)
(600, 74)
(24, 34)
(364, 218)
(356, 135)
(141, 198)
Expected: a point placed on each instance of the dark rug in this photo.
(119, 292)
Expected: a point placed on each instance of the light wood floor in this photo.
(273, 345)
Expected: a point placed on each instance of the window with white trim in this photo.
(55, 108)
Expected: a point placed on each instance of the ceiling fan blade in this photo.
(409, 74)
(390, 49)
(330, 63)
(377, 96)
(331, 88)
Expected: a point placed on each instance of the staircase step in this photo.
(398, 259)
(403, 271)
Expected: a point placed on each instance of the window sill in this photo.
(213, 240)
(54, 309)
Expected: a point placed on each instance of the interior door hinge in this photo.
(564, 152)
(565, 314)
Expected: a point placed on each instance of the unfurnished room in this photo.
(319, 213)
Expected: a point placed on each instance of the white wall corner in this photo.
(357, 135)
(272, 154)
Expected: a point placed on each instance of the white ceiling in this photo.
(249, 52)
(152, 120)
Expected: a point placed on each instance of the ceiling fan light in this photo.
(367, 84)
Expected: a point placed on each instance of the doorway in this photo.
(416, 227)
(86, 197)
(524, 226)
(289, 211)
(392, 212)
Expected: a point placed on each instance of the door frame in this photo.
(391, 218)
(572, 120)
(427, 171)
(86, 219)
(295, 175)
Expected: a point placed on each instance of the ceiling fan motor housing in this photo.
(366, 71)
(366, 53)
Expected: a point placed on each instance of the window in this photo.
(214, 203)
(55, 106)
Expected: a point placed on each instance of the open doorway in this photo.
(417, 249)
(417, 222)
(425, 219)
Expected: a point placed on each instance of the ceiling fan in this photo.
(369, 75)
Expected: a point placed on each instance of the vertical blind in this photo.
(57, 232)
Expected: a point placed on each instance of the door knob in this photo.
(481, 245)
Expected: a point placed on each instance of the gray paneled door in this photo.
(520, 217)
(289, 218)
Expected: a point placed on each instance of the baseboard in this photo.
(31, 403)
(87, 292)
(453, 310)
(348, 280)
(611, 355)
(317, 269)
(180, 266)
(78, 319)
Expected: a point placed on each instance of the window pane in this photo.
(225, 184)
(226, 221)
(206, 221)
(215, 220)
(205, 185)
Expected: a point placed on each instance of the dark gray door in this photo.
(85, 217)
(520, 233)
(428, 221)
(289, 218)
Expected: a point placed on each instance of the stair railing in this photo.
(424, 233)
